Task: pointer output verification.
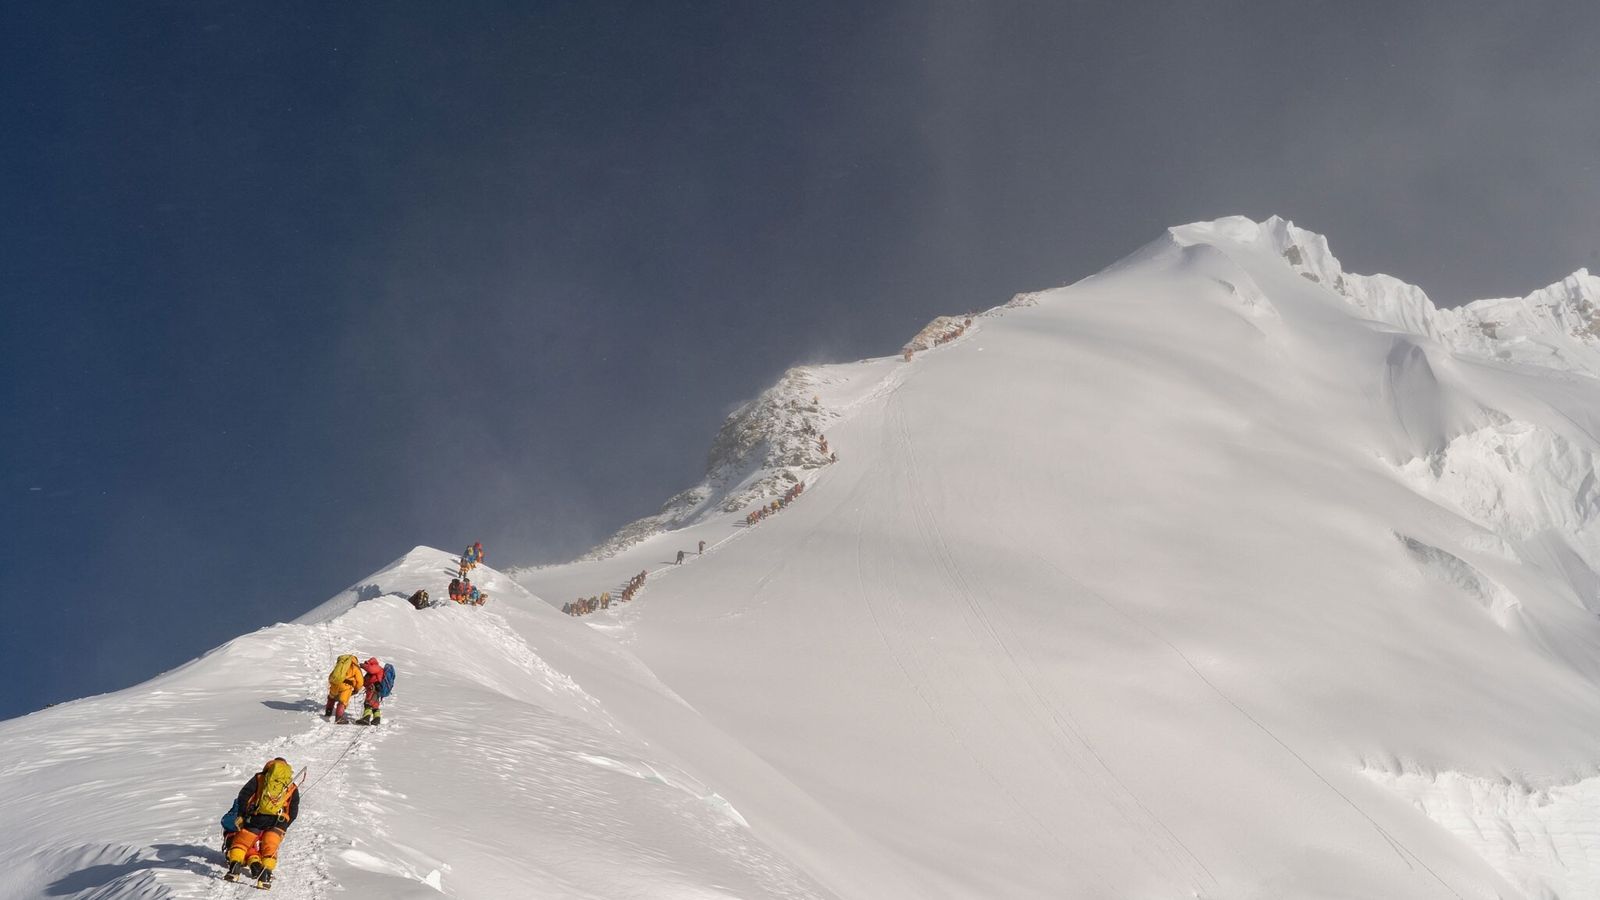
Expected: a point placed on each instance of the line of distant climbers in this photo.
(472, 558)
(461, 589)
(944, 337)
(583, 606)
(586, 605)
(789, 496)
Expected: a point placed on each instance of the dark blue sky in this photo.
(289, 289)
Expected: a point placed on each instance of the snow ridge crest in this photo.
(1556, 327)
(762, 448)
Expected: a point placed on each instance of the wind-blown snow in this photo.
(1223, 573)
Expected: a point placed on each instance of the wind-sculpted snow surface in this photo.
(1520, 480)
(1457, 572)
(1224, 573)
(1542, 838)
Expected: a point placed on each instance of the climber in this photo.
(680, 558)
(371, 674)
(343, 682)
(380, 681)
(268, 804)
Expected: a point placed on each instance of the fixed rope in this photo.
(328, 769)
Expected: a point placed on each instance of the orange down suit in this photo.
(344, 690)
(268, 829)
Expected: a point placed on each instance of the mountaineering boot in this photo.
(341, 721)
(255, 868)
(233, 871)
(265, 881)
(327, 711)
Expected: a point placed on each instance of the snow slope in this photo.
(493, 775)
(1193, 579)
(1224, 573)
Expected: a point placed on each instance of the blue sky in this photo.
(288, 290)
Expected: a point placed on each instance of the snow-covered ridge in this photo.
(1557, 326)
(773, 442)
(763, 448)
(941, 329)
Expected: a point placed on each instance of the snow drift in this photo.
(1222, 573)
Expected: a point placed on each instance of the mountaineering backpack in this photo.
(341, 669)
(274, 787)
(387, 684)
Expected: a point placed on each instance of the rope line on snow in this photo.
(328, 769)
(333, 656)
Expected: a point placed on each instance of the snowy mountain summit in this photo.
(1223, 573)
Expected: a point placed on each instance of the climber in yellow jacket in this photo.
(343, 682)
(267, 804)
